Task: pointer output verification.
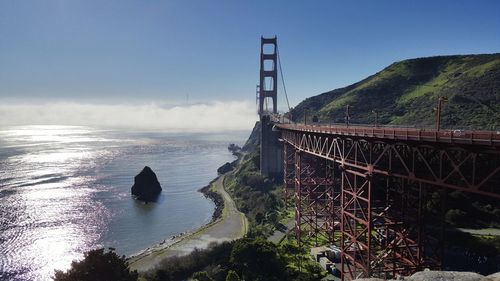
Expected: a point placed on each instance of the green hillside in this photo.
(406, 92)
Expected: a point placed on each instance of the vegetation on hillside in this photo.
(244, 259)
(472, 252)
(468, 210)
(406, 92)
(214, 261)
(258, 197)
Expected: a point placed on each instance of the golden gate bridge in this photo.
(364, 188)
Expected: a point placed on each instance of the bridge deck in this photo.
(487, 138)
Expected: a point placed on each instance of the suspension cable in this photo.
(282, 79)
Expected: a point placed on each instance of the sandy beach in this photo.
(231, 225)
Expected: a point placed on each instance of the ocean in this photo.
(66, 189)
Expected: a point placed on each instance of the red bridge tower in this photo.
(268, 87)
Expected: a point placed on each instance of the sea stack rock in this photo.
(146, 186)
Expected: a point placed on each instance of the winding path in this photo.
(232, 225)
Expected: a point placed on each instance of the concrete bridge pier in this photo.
(271, 150)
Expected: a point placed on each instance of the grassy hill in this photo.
(406, 92)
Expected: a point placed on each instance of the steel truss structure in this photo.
(315, 196)
(371, 187)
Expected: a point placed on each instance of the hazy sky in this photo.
(162, 52)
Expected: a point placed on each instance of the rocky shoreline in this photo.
(147, 258)
(231, 225)
(215, 197)
(217, 214)
(167, 243)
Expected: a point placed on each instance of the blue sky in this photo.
(163, 51)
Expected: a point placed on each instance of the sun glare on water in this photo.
(56, 218)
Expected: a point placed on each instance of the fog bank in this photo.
(216, 116)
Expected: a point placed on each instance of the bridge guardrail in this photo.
(490, 138)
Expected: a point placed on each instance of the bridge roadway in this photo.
(371, 183)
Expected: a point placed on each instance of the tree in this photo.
(232, 276)
(202, 276)
(455, 217)
(272, 217)
(98, 266)
(257, 259)
(259, 217)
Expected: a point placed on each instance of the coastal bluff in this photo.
(146, 185)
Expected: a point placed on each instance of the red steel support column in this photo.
(288, 170)
(298, 192)
(314, 200)
(398, 250)
(332, 201)
(356, 225)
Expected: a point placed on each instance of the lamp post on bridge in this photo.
(376, 118)
(347, 115)
(305, 116)
(438, 109)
